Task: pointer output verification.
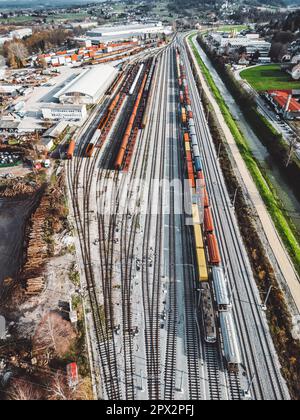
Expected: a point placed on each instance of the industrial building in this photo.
(9, 90)
(284, 103)
(52, 134)
(21, 33)
(88, 87)
(223, 43)
(111, 33)
(9, 127)
(67, 112)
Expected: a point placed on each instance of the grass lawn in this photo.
(229, 28)
(269, 77)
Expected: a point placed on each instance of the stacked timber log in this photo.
(37, 250)
(34, 286)
(45, 222)
(16, 189)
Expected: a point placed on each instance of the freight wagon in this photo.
(91, 146)
(208, 221)
(231, 349)
(208, 314)
(213, 249)
(183, 115)
(71, 149)
(221, 289)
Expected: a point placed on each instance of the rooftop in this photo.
(282, 97)
(89, 82)
(56, 130)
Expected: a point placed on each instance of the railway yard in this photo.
(171, 304)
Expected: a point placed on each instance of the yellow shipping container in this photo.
(202, 266)
(187, 147)
(198, 237)
(195, 214)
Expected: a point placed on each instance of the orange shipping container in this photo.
(186, 137)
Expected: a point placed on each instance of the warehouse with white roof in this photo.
(88, 87)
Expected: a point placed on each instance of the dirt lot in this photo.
(13, 215)
(19, 170)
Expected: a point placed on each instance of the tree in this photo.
(21, 390)
(17, 53)
(53, 334)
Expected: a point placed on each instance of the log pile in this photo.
(16, 189)
(37, 249)
(42, 226)
(34, 286)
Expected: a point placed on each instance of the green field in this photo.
(230, 28)
(269, 77)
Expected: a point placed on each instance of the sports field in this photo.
(269, 77)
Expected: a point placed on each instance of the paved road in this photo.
(258, 352)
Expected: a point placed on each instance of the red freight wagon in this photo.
(71, 149)
(206, 198)
(213, 249)
(208, 220)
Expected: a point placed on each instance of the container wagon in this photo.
(186, 138)
(202, 265)
(183, 115)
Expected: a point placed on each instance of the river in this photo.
(285, 193)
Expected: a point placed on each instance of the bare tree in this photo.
(292, 145)
(18, 51)
(53, 334)
(20, 390)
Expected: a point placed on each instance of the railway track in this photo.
(213, 371)
(253, 337)
(152, 286)
(172, 320)
(102, 314)
(128, 230)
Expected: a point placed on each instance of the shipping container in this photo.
(187, 147)
(213, 249)
(202, 265)
(186, 137)
(195, 214)
(198, 237)
(188, 156)
(183, 115)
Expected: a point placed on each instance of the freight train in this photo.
(208, 258)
